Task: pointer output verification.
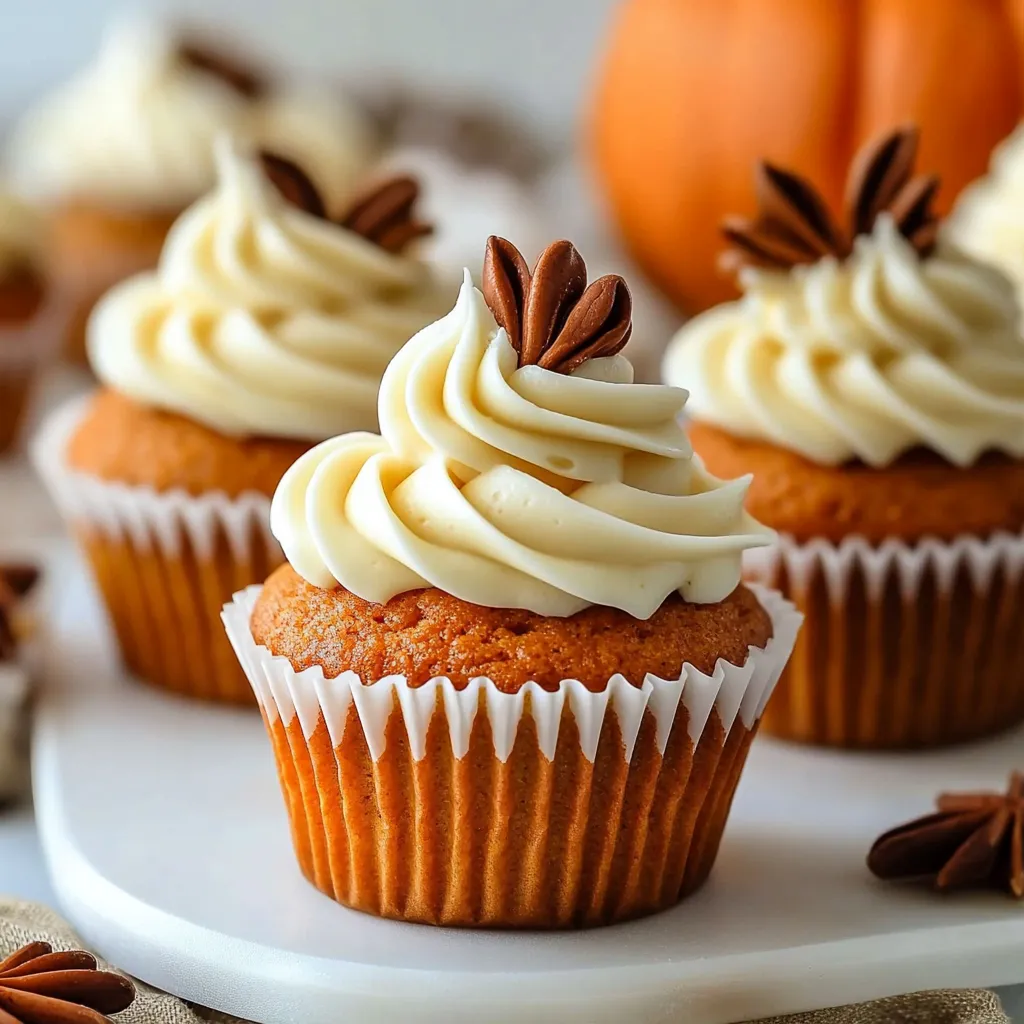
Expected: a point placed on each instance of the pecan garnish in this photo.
(974, 840)
(232, 71)
(294, 184)
(38, 986)
(15, 583)
(794, 225)
(385, 215)
(552, 318)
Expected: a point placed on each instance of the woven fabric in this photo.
(21, 923)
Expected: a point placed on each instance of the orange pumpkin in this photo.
(691, 93)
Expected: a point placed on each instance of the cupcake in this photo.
(988, 219)
(510, 674)
(265, 328)
(119, 151)
(29, 319)
(871, 377)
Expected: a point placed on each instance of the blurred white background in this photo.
(536, 55)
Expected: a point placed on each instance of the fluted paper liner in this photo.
(25, 350)
(541, 808)
(165, 563)
(904, 645)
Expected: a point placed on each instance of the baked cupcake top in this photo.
(264, 317)
(520, 466)
(860, 342)
(988, 219)
(135, 129)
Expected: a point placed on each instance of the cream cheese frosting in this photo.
(261, 319)
(22, 234)
(515, 487)
(135, 129)
(988, 220)
(863, 358)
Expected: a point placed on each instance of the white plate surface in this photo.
(168, 847)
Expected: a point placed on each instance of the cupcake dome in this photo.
(872, 378)
(519, 607)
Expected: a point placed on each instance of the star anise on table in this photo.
(15, 583)
(974, 840)
(385, 215)
(794, 224)
(552, 318)
(39, 986)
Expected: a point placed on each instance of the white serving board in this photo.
(168, 847)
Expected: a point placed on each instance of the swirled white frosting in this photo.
(864, 358)
(22, 234)
(135, 129)
(988, 220)
(260, 318)
(514, 488)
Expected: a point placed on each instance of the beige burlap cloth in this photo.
(21, 923)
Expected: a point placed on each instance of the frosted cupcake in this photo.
(265, 328)
(121, 149)
(510, 673)
(30, 321)
(872, 378)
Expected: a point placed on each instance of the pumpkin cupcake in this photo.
(30, 322)
(265, 328)
(510, 674)
(872, 378)
(120, 150)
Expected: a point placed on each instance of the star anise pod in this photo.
(38, 986)
(551, 317)
(794, 225)
(232, 71)
(15, 582)
(974, 840)
(385, 215)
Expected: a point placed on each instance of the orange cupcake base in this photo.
(525, 843)
(902, 647)
(165, 609)
(472, 806)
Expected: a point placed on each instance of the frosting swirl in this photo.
(863, 358)
(988, 220)
(136, 129)
(260, 318)
(512, 487)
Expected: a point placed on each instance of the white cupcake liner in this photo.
(905, 645)
(148, 518)
(733, 691)
(878, 563)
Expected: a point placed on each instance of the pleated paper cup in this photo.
(25, 351)
(165, 563)
(904, 645)
(539, 809)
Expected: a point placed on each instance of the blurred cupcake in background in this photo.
(265, 328)
(31, 324)
(988, 219)
(120, 150)
(871, 377)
